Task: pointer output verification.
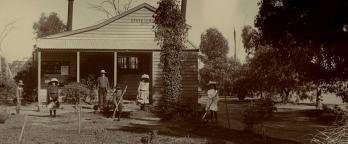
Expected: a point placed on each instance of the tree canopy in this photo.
(48, 25)
(312, 34)
(214, 48)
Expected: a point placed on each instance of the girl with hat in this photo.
(213, 99)
(143, 91)
(19, 95)
(52, 96)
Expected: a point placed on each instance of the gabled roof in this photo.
(68, 33)
(115, 33)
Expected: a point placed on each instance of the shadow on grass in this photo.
(213, 133)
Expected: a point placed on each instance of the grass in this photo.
(289, 127)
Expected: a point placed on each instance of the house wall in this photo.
(189, 82)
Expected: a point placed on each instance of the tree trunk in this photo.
(318, 99)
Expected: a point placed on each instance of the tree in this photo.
(112, 8)
(28, 74)
(311, 34)
(214, 48)
(268, 71)
(48, 25)
(170, 32)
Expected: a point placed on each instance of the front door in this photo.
(130, 67)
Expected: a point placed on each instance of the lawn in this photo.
(289, 124)
(286, 127)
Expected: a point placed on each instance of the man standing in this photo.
(103, 86)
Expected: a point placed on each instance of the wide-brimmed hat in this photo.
(145, 76)
(54, 80)
(20, 82)
(103, 71)
(212, 83)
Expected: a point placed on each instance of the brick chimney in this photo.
(70, 14)
(183, 8)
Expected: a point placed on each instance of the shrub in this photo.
(73, 92)
(258, 112)
(7, 90)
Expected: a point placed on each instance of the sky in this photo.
(225, 15)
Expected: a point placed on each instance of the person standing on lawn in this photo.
(143, 91)
(52, 96)
(103, 86)
(117, 100)
(213, 100)
(19, 95)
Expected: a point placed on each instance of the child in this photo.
(19, 95)
(52, 96)
(117, 100)
(213, 100)
(143, 91)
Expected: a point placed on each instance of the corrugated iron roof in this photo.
(107, 44)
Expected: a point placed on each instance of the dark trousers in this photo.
(101, 96)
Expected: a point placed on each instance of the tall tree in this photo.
(270, 71)
(112, 8)
(312, 34)
(170, 32)
(48, 25)
(214, 48)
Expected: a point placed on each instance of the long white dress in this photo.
(213, 100)
(143, 93)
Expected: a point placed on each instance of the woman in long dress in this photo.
(213, 100)
(143, 91)
(52, 96)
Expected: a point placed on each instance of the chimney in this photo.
(70, 14)
(183, 8)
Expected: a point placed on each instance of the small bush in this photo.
(7, 90)
(258, 112)
(73, 92)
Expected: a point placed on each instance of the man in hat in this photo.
(103, 86)
(143, 91)
(52, 96)
(19, 95)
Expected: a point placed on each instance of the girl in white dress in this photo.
(143, 91)
(213, 100)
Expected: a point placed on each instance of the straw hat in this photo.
(145, 76)
(54, 80)
(103, 71)
(212, 83)
(20, 82)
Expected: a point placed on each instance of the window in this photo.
(128, 62)
(53, 67)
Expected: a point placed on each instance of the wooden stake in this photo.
(21, 135)
(80, 119)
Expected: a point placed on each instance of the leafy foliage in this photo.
(28, 75)
(73, 92)
(48, 25)
(7, 89)
(258, 112)
(170, 32)
(312, 35)
(214, 48)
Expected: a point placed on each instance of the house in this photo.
(124, 46)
